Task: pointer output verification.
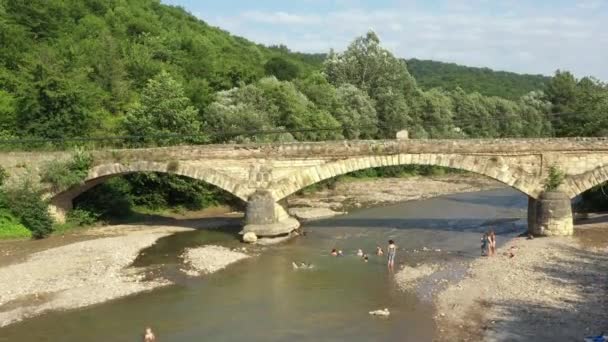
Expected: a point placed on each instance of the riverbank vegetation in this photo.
(160, 76)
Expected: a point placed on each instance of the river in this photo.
(264, 299)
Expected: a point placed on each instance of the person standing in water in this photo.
(492, 239)
(392, 250)
(485, 244)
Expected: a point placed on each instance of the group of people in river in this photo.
(391, 250)
(488, 243)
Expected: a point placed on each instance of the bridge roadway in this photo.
(264, 174)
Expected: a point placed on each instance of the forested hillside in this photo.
(432, 74)
(74, 67)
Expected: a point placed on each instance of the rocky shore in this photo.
(369, 192)
(545, 289)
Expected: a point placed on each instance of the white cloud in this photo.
(514, 36)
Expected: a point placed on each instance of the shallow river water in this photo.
(264, 299)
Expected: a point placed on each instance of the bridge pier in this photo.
(59, 208)
(266, 218)
(550, 215)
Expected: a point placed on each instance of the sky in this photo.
(536, 37)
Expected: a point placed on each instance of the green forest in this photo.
(160, 76)
(450, 76)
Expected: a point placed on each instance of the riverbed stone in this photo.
(250, 237)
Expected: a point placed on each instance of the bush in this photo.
(33, 212)
(555, 179)
(111, 199)
(63, 175)
(80, 217)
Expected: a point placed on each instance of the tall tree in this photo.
(164, 115)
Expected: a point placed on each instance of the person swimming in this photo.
(340, 252)
(149, 335)
(365, 257)
(359, 253)
(379, 251)
(334, 252)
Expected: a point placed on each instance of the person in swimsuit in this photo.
(492, 239)
(334, 252)
(392, 250)
(360, 253)
(149, 335)
(485, 244)
(379, 251)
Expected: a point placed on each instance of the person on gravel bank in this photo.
(485, 244)
(492, 239)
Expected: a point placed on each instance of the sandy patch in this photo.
(209, 259)
(407, 278)
(367, 192)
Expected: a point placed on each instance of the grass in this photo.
(10, 228)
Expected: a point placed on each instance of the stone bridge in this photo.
(264, 174)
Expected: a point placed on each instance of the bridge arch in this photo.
(495, 167)
(61, 202)
(576, 185)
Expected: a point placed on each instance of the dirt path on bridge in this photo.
(545, 289)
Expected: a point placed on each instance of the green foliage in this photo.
(282, 69)
(25, 203)
(164, 110)
(554, 179)
(449, 76)
(111, 199)
(3, 175)
(62, 175)
(81, 217)
(10, 227)
(579, 106)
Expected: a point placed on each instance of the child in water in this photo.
(359, 253)
(365, 258)
(334, 252)
(379, 251)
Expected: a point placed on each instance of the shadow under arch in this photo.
(62, 202)
(489, 166)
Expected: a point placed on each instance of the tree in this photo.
(373, 69)
(53, 106)
(369, 67)
(356, 113)
(281, 68)
(164, 115)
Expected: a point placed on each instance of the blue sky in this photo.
(536, 37)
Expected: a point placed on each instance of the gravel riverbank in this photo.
(76, 275)
(209, 259)
(545, 289)
(370, 192)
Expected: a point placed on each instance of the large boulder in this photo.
(250, 237)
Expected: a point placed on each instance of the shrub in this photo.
(108, 200)
(63, 175)
(80, 217)
(554, 179)
(26, 204)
